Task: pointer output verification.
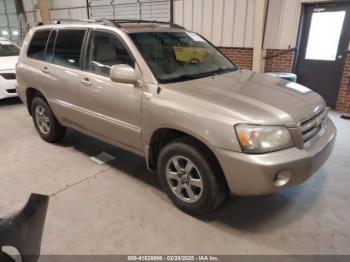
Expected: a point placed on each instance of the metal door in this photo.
(324, 40)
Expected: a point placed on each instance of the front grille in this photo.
(8, 76)
(11, 91)
(312, 126)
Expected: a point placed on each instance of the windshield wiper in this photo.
(185, 77)
(179, 78)
(222, 70)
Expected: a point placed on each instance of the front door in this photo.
(111, 110)
(324, 41)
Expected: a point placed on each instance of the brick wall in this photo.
(281, 63)
(243, 57)
(343, 102)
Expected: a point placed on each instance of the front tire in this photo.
(190, 177)
(45, 122)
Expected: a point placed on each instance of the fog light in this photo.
(282, 178)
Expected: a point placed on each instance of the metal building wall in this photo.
(69, 13)
(283, 23)
(67, 9)
(226, 23)
(230, 23)
(31, 13)
(9, 22)
(131, 9)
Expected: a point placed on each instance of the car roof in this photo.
(137, 28)
(128, 26)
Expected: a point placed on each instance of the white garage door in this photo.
(131, 9)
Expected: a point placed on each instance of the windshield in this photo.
(179, 56)
(8, 49)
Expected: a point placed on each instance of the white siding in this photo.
(69, 13)
(68, 9)
(28, 5)
(249, 25)
(207, 19)
(230, 23)
(283, 23)
(131, 9)
(60, 4)
(224, 22)
(218, 10)
(197, 15)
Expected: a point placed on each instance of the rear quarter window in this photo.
(37, 45)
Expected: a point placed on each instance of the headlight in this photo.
(263, 139)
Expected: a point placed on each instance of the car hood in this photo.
(252, 97)
(8, 62)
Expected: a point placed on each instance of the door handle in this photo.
(46, 70)
(86, 82)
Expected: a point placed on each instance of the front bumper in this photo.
(248, 174)
(7, 87)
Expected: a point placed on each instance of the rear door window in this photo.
(37, 45)
(68, 47)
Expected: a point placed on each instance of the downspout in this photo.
(171, 11)
(88, 9)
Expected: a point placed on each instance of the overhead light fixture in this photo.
(4, 33)
(15, 32)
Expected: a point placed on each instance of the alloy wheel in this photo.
(184, 179)
(42, 119)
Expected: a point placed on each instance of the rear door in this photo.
(63, 63)
(323, 45)
(111, 110)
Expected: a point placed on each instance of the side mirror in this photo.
(123, 74)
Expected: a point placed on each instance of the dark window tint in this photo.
(8, 49)
(50, 46)
(68, 46)
(105, 50)
(37, 45)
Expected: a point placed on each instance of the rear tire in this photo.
(185, 165)
(45, 122)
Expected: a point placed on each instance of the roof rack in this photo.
(126, 21)
(110, 22)
(58, 21)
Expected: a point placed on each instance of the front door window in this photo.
(105, 50)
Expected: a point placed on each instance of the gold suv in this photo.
(167, 94)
